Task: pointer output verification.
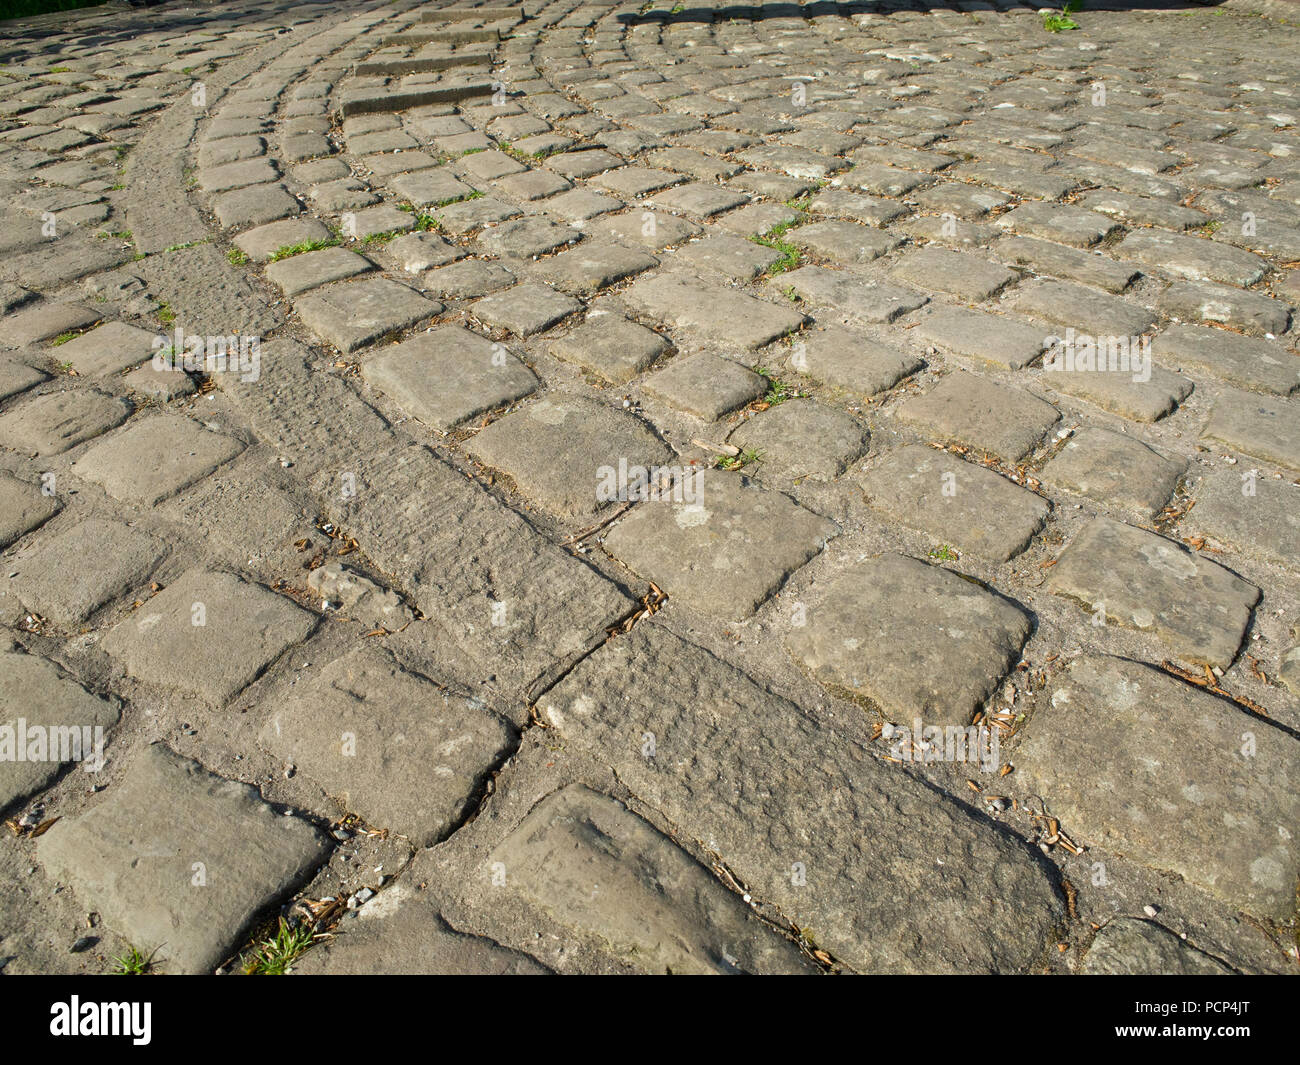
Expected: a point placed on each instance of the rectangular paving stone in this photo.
(709, 312)
(301, 273)
(1121, 751)
(519, 610)
(66, 577)
(895, 874)
(705, 385)
(1192, 257)
(1114, 469)
(1244, 310)
(886, 631)
(46, 320)
(848, 360)
(108, 349)
(1263, 426)
(610, 346)
(154, 458)
(839, 203)
(841, 242)
(236, 175)
(261, 243)
(593, 265)
(352, 314)
(697, 200)
(853, 297)
(974, 509)
(180, 861)
(1252, 513)
(402, 752)
(430, 188)
(565, 452)
(723, 549)
(1081, 308)
(525, 309)
(24, 506)
(58, 710)
(968, 277)
(1140, 580)
(1061, 223)
(448, 375)
(1259, 365)
(1005, 422)
(1072, 264)
(988, 338)
(53, 422)
(801, 438)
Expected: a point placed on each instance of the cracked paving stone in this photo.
(403, 752)
(917, 642)
(567, 453)
(448, 375)
(800, 438)
(705, 385)
(51, 423)
(946, 891)
(525, 309)
(1265, 427)
(1255, 514)
(987, 338)
(38, 692)
(352, 314)
(135, 856)
(710, 311)
(972, 508)
(724, 548)
(1259, 365)
(67, 577)
(1115, 469)
(154, 458)
(1128, 946)
(656, 907)
(610, 346)
(181, 638)
(1005, 422)
(1089, 752)
(1139, 580)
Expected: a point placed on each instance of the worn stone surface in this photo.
(1131, 947)
(913, 640)
(180, 637)
(965, 409)
(730, 755)
(48, 720)
(448, 375)
(1114, 469)
(402, 752)
(1090, 757)
(1140, 580)
(724, 547)
(602, 870)
(180, 861)
(956, 502)
(832, 238)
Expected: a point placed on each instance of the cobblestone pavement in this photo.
(601, 487)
